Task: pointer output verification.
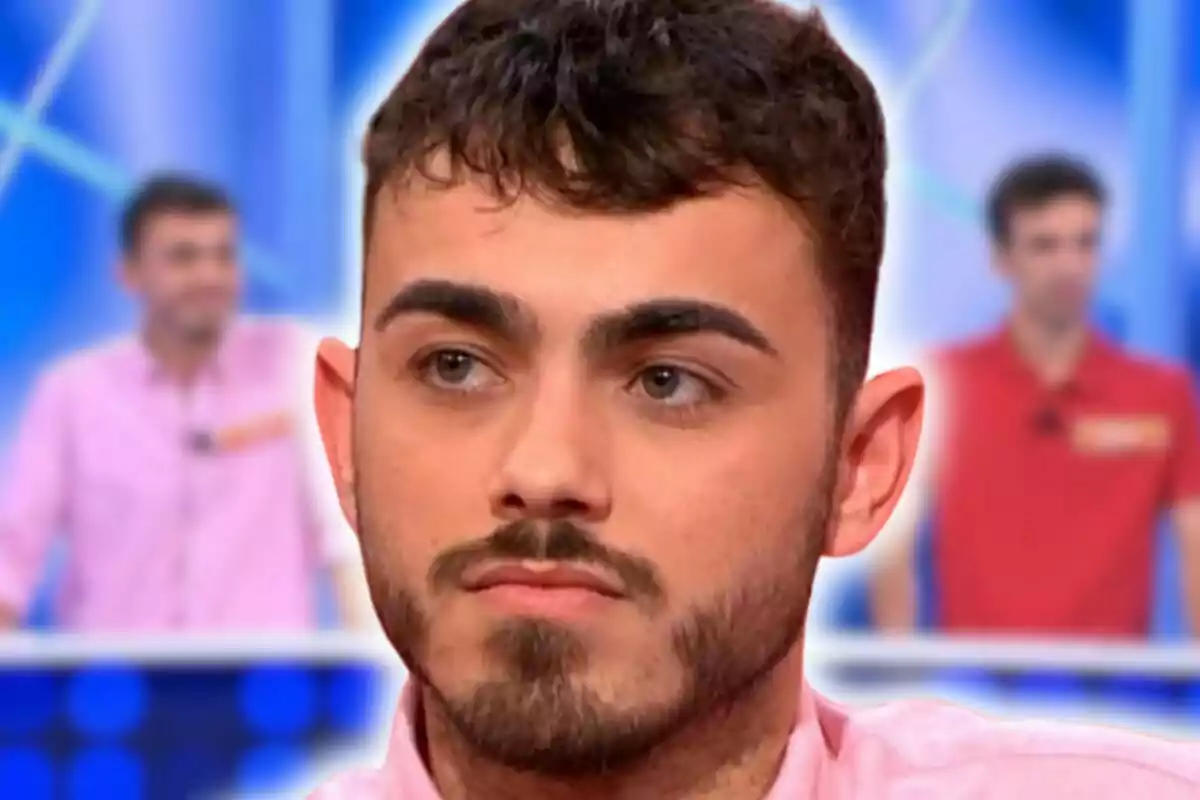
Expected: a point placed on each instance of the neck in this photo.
(734, 754)
(179, 356)
(1052, 351)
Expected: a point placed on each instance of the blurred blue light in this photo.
(1050, 688)
(269, 767)
(26, 774)
(970, 682)
(351, 699)
(106, 701)
(63, 152)
(188, 772)
(1190, 699)
(28, 701)
(105, 773)
(50, 77)
(1139, 692)
(278, 700)
(933, 52)
(936, 191)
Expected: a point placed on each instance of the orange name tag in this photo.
(1122, 434)
(251, 432)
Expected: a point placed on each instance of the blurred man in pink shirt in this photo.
(608, 412)
(171, 462)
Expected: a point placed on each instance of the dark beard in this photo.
(541, 719)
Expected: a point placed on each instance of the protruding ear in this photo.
(879, 449)
(333, 398)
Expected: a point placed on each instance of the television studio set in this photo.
(183, 610)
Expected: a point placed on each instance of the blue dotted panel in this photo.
(352, 698)
(105, 773)
(106, 701)
(278, 700)
(270, 767)
(26, 773)
(27, 702)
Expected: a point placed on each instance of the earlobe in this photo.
(879, 449)
(333, 395)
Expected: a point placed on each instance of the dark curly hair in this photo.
(627, 106)
(168, 193)
(1034, 181)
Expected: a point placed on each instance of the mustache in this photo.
(561, 541)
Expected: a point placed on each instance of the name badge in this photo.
(253, 431)
(1122, 434)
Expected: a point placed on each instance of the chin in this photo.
(204, 329)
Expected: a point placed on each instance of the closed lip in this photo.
(543, 576)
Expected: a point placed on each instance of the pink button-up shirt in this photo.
(904, 751)
(181, 509)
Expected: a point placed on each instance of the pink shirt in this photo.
(181, 509)
(904, 751)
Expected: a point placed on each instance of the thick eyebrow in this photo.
(491, 312)
(667, 318)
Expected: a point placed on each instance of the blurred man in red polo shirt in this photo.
(1058, 452)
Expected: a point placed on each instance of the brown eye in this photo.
(456, 370)
(659, 383)
(673, 386)
(453, 366)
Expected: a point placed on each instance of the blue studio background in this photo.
(263, 97)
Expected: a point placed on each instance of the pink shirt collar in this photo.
(798, 775)
(148, 369)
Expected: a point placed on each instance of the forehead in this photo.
(1066, 214)
(743, 249)
(171, 226)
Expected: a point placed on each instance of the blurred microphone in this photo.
(200, 442)
(1048, 422)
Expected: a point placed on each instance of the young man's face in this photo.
(592, 460)
(184, 269)
(1051, 258)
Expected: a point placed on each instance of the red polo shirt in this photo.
(1047, 498)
